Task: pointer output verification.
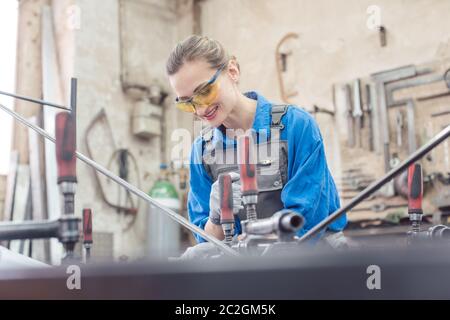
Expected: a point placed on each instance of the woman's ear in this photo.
(233, 70)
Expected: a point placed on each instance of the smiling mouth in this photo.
(211, 114)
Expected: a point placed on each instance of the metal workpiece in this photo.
(172, 214)
(36, 101)
(434, 235)
(282, 223)
(65, 229)
(439, 232)
(29, 230)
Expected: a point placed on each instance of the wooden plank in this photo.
(11, 185)
(51, 92)
(41, 247)
(20, 200)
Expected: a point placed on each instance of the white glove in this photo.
(214, 200)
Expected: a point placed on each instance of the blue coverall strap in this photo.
(278, 111)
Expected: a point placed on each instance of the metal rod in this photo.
(29, 230)
(441, 136)
(42, 102)
(172, 214)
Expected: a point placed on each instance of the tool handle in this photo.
(247, 166)
(415, 188)
(226, 198)
(87, 225)
(65, 147)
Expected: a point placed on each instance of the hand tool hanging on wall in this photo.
(410, 113)
(399, 127)
(317, 110)
(124, 157)
(101, 117)
(368, 108)
(447, 77)
(349, 112)
(357, 111)
(247, 169)
(281, 64)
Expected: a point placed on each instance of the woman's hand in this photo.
(214, 200)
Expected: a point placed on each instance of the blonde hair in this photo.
(197, 47)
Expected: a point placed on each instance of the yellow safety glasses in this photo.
(203, 96)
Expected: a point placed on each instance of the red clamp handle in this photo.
(247, 165)
(226, 198)
(65, 147)
(87, 225)
(415, 188)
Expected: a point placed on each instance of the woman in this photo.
(205, 80)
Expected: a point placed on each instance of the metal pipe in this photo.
(29, 230)
(172, 214)
(422, 151)
(282, 221)
(37, 101)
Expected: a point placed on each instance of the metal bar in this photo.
(434, 96)
(410, 113)
(37, 101)
(438, 114)
(73, 104)
(29, 230)
(440, 137)
(408, 83)
(381, 93)
(382, 79)
(178, 218)
(395, 74)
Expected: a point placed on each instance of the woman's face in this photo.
(195, 73)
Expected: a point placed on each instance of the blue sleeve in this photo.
(310, 189)
(200, 189)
